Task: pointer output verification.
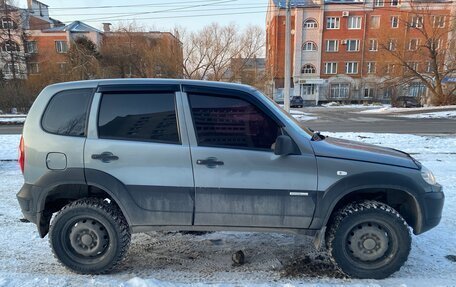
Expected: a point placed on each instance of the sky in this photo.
(159, 15)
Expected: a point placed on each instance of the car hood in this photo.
(352, 150)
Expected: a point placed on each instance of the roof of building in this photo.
(306, 3)
(74, 27)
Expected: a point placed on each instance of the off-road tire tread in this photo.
(111, 210)
(352, 209)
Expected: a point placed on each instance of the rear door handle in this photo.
(211, 162)
(105, 157)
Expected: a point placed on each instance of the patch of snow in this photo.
(177, 259)
(9, 145)
(12, 120)
(302, 116)
(336, 105)
(389, 110)
(434, 115)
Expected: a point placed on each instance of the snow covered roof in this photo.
(74, 27)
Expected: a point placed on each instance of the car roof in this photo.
(108, 82)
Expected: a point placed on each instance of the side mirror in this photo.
(284, 146)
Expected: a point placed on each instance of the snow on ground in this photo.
(336, 105)
(434, 115)
(178, 259)
(9, 145)
(12, 119)
(390, 110)
(302, 116)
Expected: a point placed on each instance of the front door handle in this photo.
(105, 157)
(211, 162)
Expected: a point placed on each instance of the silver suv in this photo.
(115, 157)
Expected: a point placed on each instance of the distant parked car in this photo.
(296, 102)
(408, 102)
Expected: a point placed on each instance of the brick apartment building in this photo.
(31, 41)
(343, 50)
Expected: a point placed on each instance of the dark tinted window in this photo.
(142, 116)
(231, 122)
(67, 113)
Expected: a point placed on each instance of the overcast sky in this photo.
(159, 15)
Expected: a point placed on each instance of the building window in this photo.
(379, 3)
(438, 21)
(63, 66)
(7, 23)
(61, 46)
(369, 93)
(375, 22)
(33, 68)
(416, 90)
(31, 47)
(332, 45)
(354, 22)
(310, 24)
(394, 2)
(412, 66)
(331, 68)
(394, 21)
(373, 45)
(340, 91)
(8, 69)
(392, 45)
(308, 89)
(10, 46)
(352, 45)
(332, 23)
(308, 69)
(416, 22)
(413, 44)
(429, 67)
(309, 46)
(351, 67)
(371, 67)
(390, 68)
(435, 44)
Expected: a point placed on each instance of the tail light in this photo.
(21, 154)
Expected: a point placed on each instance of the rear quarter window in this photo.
(67, 112)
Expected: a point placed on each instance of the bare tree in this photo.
(83, 59)
(424, 56)
(209, 53)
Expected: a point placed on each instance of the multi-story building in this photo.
(354, 50)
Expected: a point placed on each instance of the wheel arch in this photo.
(398, 191)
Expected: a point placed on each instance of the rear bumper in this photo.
(431, 207)
(27, 202)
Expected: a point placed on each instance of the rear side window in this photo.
(66, 113)
(223, 121)
(141, 117)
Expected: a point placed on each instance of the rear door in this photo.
(239, 180)
(139, 141)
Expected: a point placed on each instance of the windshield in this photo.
(289, 116)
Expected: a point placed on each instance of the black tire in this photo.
(89, 236)
(368, 239)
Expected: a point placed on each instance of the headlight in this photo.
(428, 176)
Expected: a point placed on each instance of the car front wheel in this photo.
(368, 240)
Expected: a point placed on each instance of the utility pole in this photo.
(287, 87)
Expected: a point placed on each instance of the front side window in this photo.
(61, 46)
(231, 122)
(354, 22)
(139, 117)
(332, 23)
(66, 113)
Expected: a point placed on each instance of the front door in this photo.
(239, 180)
(139, 141)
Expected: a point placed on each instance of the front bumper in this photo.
(431, 204)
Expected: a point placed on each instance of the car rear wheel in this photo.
(368, 240)
(89, 236)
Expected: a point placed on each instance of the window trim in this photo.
(357, 45)
(56, 46)
(336, 46)
(251, 99)
(326, 64)
(358, 19)
(309, 20)
(90, 102)
(314, 45)
(337, 21)
(125, 91)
